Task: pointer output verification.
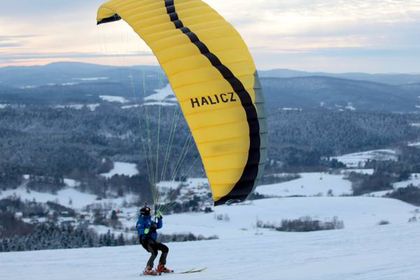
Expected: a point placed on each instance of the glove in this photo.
(158, 214)
(146, 231)
(153, 227)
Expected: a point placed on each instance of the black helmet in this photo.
(145, 211)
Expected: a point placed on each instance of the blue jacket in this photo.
(145, 222)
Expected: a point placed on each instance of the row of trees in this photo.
(303, 224)
(300, 138)
(409, 194)
(51, 236)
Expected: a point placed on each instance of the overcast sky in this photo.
(317, 35)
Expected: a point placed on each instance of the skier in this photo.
(146, 229)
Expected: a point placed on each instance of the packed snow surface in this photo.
(362, 250)
(355, 160)
(309, 184)
(122, 168)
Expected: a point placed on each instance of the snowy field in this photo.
(130, 106)
(68, 197)
(193, 184)
(240, 220)
(159, 104)
(356, 160)
(161, 94)
(323, 184)
(309, 184)
(414, 144)
(363, 250)
(113, 98)
(122, 168)
(162, 97)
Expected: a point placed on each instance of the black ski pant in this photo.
(152, 246)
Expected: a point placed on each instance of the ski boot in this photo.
(149, 271)
(161, 268)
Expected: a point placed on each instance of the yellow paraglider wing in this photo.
(215, 81)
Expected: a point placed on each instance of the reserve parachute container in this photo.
(214, 78)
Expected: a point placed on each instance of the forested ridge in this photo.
(80, 144)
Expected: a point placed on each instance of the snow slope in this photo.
(112, 98)
(358, 252)
(355, 160)
(414, 144)
(355, 212)
(309, 184)
(122, 168)
(162, 97)
(161, 94)
(69, 197)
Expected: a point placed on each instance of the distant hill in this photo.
(341, 94)
(68, 73)
(68, 82)
(390, 79)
